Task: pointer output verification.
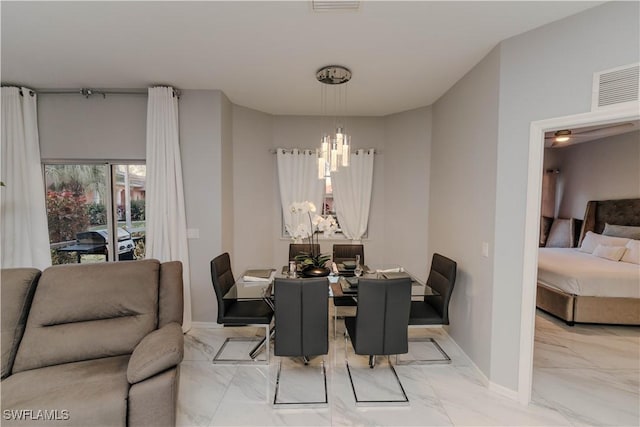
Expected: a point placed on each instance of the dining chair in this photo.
(301, 321)
(434, 310)
(380, 325)
(296, 249)
(234, 312)
(341, 253)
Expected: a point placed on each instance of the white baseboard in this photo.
(501, 390)
(504, 391)
(206, 325)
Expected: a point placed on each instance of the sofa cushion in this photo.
(88, 393)
(18, 286)
(160, 350)
(88, 311)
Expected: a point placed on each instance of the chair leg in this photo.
(401, 402)
(256, 350)
(252, 354)
(444, 360)
(323, 403)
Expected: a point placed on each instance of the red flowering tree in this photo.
(67, 215)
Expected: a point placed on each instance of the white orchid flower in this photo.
(311, 207)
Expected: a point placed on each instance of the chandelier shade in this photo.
(335, 147)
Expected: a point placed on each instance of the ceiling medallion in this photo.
(333, 75)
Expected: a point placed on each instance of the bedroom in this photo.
(575, 367)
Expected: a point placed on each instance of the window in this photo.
(86, 201)
(327, 199)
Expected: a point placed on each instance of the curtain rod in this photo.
(87, 92)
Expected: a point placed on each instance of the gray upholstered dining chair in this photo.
(380, 325)
(347, 252)
(301, 309)
(434, 310)
(296, 249)
(234, 312)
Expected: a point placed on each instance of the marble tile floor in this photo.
(440, 395)
(588, 373)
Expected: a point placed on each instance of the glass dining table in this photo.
(338, 285)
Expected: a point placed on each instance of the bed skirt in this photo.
(587, 309)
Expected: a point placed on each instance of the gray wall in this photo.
(407, 170)
(597, 170)
(201, 145)
(254, 188)
(544, 73)
(462, 201)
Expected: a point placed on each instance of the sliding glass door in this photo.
(93, 207)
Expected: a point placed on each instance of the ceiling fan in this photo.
(568, 136)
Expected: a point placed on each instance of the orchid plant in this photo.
(317, 224)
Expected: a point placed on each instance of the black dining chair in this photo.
(434, 310)
(296, 249)
(380, 325)
(341, 253)
(234, 312)
(301, 321)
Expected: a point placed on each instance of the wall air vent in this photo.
(332, 5)
(616, 87)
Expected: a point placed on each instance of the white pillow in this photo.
(632, 254)
(591, 240)
(612, 253)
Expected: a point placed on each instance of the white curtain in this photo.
(549, 186)
(24, 230)
(166, 227)
(299, 182)
(352, 194)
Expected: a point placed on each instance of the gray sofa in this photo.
(92, 344)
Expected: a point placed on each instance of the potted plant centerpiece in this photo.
(313, 264)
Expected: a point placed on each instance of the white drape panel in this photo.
(24, 230)
(549, 185)
(352, 194)
(166, 227)
(298, 178)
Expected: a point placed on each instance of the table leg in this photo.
(258, 348)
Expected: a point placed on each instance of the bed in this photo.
(580, 287)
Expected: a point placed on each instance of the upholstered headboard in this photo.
(618, 212)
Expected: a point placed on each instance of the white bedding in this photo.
(583, 274)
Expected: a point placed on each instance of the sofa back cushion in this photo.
(89, 311)
(18, 286)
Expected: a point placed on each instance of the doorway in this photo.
(532, 225)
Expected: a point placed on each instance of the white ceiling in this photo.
(263, 55)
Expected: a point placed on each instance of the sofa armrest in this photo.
(157, 352)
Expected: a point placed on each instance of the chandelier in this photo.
(335, 147)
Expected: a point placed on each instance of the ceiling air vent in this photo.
(331, 5)
(616, 87)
